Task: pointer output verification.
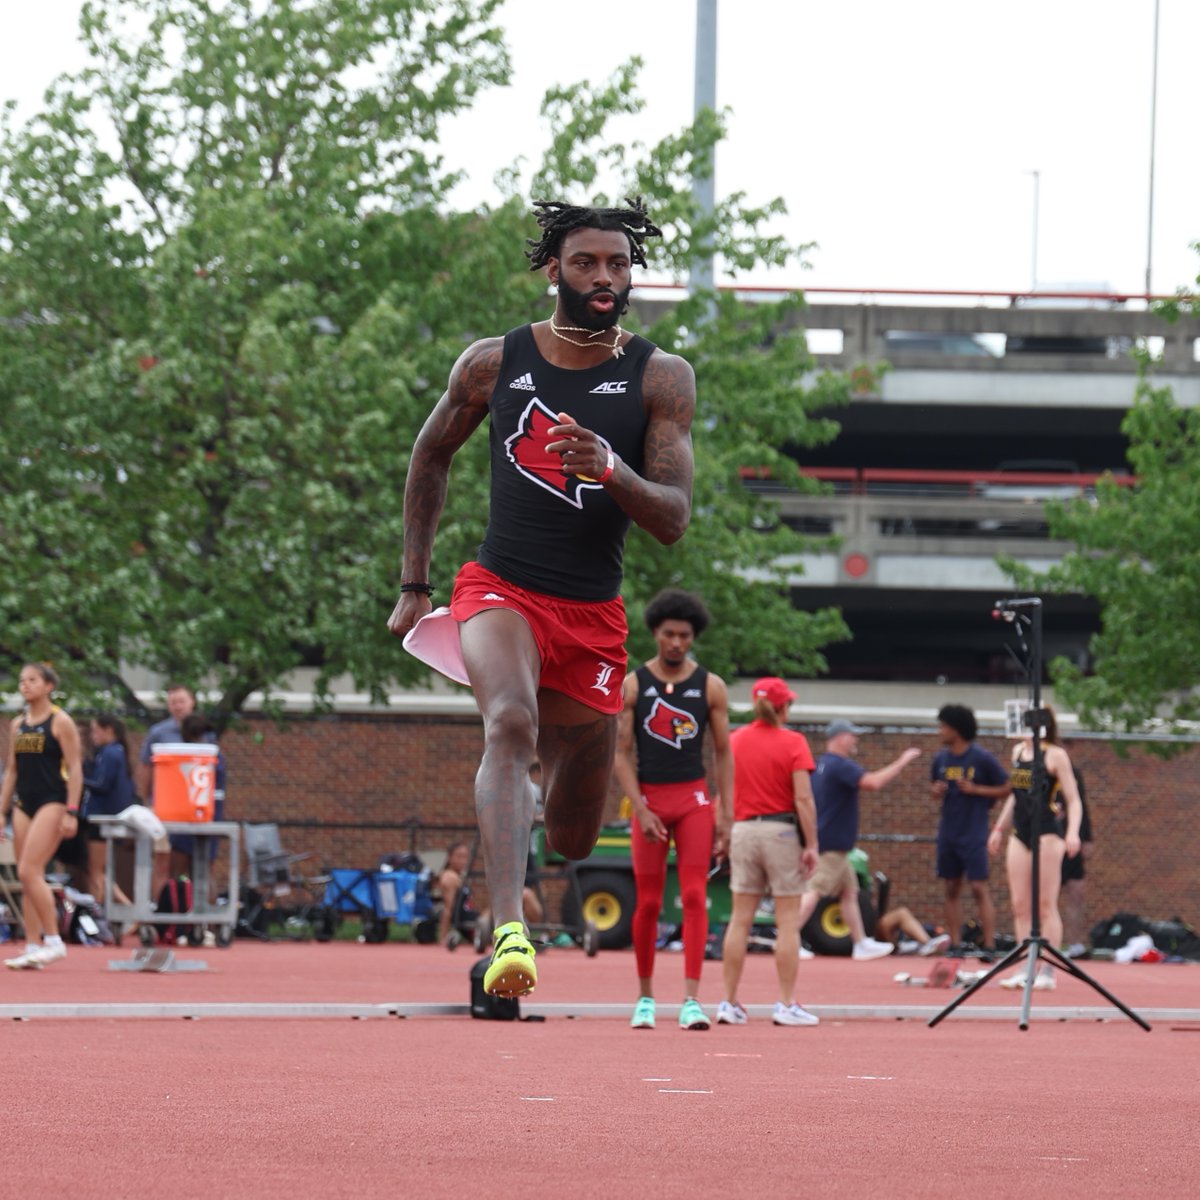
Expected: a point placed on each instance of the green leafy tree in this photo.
(231, 289)
(1137, 550)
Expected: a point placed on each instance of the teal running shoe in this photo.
(692, 1016)
(643, 1013)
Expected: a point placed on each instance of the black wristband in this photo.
(425, 588)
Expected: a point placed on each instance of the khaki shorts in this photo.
(834, 874)
(765, 855)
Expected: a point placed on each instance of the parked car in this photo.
(913, 341)
(1073, 295)
(1028, 491)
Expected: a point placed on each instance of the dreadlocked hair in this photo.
(557, 220)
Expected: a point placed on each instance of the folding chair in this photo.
(267, 862)
(353, 892)
(273, 887)
(10, 888)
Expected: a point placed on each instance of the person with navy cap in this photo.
(836, 783)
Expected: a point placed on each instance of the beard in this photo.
(575, 305)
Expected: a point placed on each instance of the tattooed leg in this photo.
(576, 745)
(503, 666)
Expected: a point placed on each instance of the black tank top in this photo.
(669, 726)
(41, 771)
(547, 531)
(1053, 809)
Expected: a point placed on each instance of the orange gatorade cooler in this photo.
(185, 779)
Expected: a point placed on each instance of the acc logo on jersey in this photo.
(669, 724)
(527, 452)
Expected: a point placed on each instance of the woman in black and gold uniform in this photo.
(1058, 822)
(45, 773)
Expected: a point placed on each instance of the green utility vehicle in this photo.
(607, 896)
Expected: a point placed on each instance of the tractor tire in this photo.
(827, 932)
(609, 898)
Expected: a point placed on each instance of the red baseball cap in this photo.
(774, 690)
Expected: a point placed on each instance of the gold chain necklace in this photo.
(616, 348)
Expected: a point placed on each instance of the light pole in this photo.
(1153, 131)
(704, 186)
(1037, 199)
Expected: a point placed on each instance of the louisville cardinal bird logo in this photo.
(527, 452)
(669, 724)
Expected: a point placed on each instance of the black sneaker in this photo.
(959, 951)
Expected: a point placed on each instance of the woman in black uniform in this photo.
(1058, 824)
(45, 773)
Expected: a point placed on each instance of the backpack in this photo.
(1175, 938)
(175, 897)
(82, 920)
(1113, 932)
(490, 1008)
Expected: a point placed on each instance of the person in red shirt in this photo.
(772, 807)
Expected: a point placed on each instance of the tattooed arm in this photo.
(454, 418)
(660, 502)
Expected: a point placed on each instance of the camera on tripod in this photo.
(1025, 613)
(1020, 716)
(1012, 610)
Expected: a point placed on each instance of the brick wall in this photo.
(1146, 842)
(345, 774)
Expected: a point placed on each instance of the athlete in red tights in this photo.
(669, 703)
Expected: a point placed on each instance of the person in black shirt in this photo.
(45, 773)
(670, 703)
(1058, 812)
(590, 429)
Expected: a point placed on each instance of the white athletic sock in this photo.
(54, 940)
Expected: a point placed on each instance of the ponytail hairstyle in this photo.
(1051, 726)
(120, 738)
(764, 710)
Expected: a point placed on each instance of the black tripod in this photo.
(1026, 614)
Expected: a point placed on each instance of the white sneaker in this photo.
(805, 953)
(731, 1014)
(49, 954)
(1044, 980)
(869, 948)
(793, 1014)
(1015, 980)
(29, 960)
(935, 945)
(904, 946)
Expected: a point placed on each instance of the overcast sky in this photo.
(901, 135)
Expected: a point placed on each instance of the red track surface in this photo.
(586, 1108)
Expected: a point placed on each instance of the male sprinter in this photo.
(590, 429)
(669, 703)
